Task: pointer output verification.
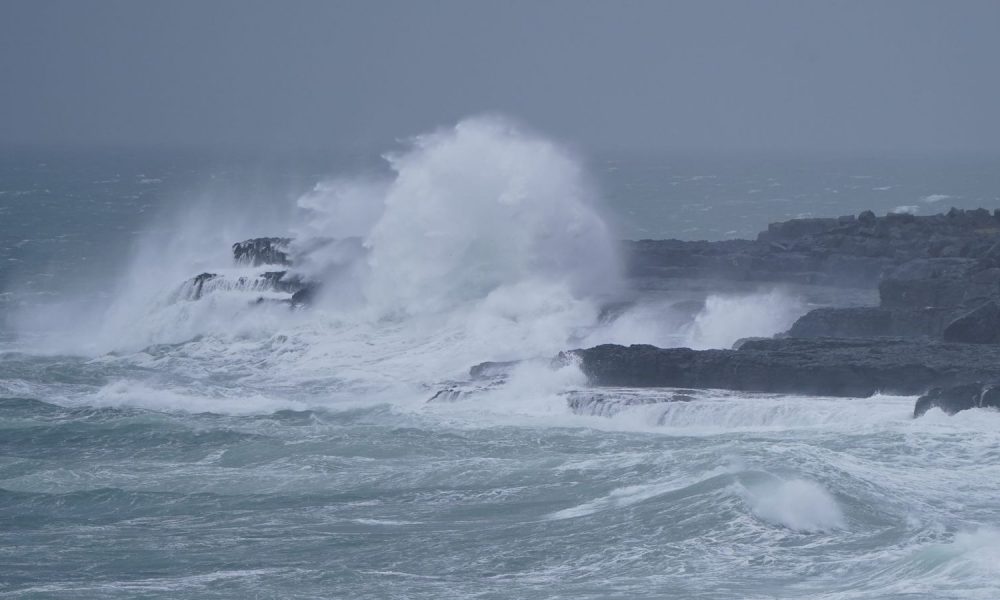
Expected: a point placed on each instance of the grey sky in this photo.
(861, 77)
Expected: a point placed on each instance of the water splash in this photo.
(728, 318)
(797, 504)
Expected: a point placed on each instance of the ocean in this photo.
(158, 446)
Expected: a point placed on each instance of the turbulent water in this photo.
(154, 445)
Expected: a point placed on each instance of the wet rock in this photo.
(262, 251)
(957, 398)
(871, 321)
(199, 284)
(980, 326)
(282, 282)
(609, 402)
(825, 367)
(843, 322)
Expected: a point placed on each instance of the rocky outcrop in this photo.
(980, 326)
(958, 398)
(262, 251)
(824, 367)
(847, 250)
(271, 281)
(954, 299)
(935, 332)
(608, 402)
(926, 283)
(949, 376)
(862, 321)
(198, 284)
(750, 261)
(263, 287)
(952, 296)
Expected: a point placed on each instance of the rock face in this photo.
(255, 252)
(958, 398)
(938, 279)
(271, 281)
(825, 367)
(947, 287)
(198, 284)
(981, 326)
(843, 322)
(838, 251)
(937, 326)
(599, 403)
(926, 283)
(262, 251)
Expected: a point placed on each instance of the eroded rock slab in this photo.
(822, 367)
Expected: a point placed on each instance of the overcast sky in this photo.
(856, 77)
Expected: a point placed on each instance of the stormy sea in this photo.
(294, 417)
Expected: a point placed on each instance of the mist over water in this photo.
(219, 446)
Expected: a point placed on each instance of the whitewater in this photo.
(161, 443)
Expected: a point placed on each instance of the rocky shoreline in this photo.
(935, 331)
(857, 367)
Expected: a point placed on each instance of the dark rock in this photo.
(843, 322)
(957, 398)
(609, 402)
(983, 285)
(281, 281)
(928, 282)
(742, 341)
(871, 321)
(929, 322)
(199, 284)
(840, 251)
(828, 367)
(980, 326)
(455, 391)
(262, 251)
(990, 398)
(951, 400)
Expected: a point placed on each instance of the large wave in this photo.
(482, 241)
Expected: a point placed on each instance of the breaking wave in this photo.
(482, 241)
(728, 318)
